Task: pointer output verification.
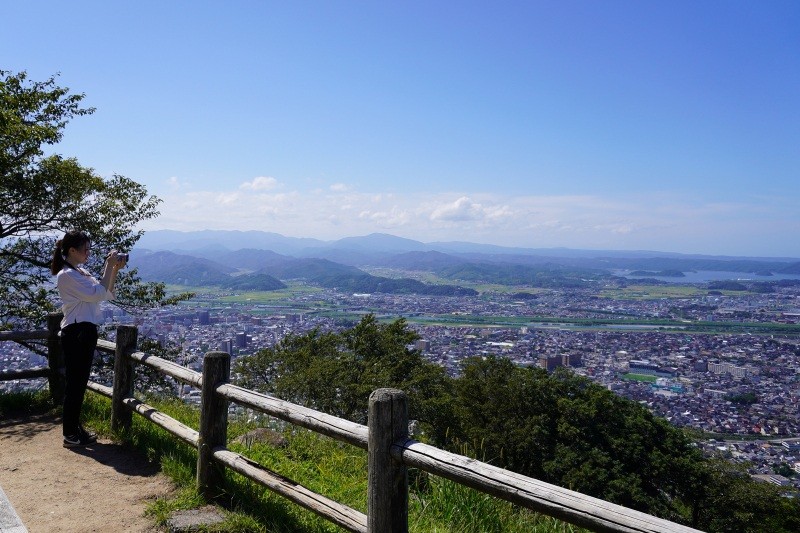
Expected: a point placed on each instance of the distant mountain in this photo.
(378, 248)
(268, 268)
(422, 261)
(685, 264)
(379, 242)
(309, 269)
(227, 240)
(252, 259)
(363, 251)
(345, 257)
(250, 268)
(171, 268)
(793, 268)
(546, 275)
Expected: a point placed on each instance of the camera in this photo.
(123, 257)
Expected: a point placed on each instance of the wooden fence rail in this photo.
(390, 450)
(55, 367)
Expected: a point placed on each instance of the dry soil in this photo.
(102, 487)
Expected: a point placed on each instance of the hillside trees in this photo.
(336, 372)
(563, 429)
(560, 428)
(726, 499)
(42, 196)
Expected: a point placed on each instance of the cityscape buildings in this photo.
(729, 385)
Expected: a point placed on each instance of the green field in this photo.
(222, 296)
(640, 377)
(268, 297)
(655, 292)
(300, 297)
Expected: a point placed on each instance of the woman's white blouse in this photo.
(81, 296)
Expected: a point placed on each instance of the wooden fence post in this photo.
(55, 358)
(387, 501)
(127, 337)
(213, 424)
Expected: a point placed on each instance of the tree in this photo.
(563, 429)
(726, 499)
(43, 195)
(560, 428)
(336, 372)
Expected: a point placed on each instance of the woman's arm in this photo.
(110, 268)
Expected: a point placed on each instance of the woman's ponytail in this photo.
(58, 259)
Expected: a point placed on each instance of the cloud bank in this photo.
(664, 222)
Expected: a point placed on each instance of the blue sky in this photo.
(626, 125)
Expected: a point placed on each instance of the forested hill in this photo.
(559, 428)
(266, 270)
(270, 268)
(345, 263)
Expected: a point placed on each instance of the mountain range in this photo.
(262, 260)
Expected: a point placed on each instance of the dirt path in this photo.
(103, 487)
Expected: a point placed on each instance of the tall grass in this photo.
(324, 465)
(25, 403)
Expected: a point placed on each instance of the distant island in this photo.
(669, 273)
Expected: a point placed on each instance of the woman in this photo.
(81, 294)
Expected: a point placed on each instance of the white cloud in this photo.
(339, 187)
(393, 218)
(174, 183)
(261, 183)
(230, 198)
(460, 210)
(654, 222)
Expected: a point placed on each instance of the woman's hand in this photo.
(116, 260)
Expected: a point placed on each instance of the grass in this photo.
(269, 297)
(217, 296)
(326, 466)
(25, 403)
(640, 377)
(653, 292)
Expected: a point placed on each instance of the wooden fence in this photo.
(390, 449)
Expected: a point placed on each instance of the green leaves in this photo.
(41, 197)
(336, 372)
(560, 428)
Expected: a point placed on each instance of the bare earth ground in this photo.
(103, 487)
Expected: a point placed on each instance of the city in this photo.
(694, 380)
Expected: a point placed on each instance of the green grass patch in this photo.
(25, 403)
(293, 290)
(658, 292)
(324, 465)
(652, 292)
(640, 377)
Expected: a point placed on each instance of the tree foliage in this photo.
(560, 428)
(563, 429)
(726, 499)
(336, 372)
(43, 195)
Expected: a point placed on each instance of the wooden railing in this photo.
(390, 449)
(54, 372)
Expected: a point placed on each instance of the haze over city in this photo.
(612, 125)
